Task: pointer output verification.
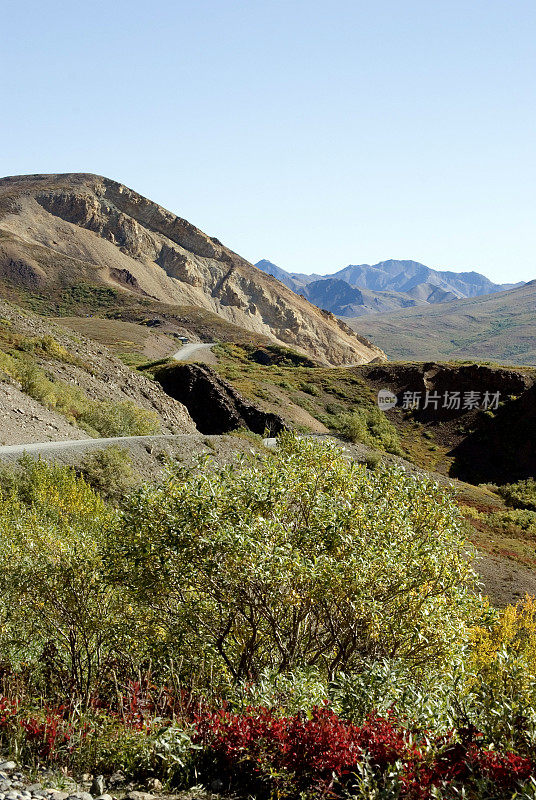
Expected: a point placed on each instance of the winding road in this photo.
(189, 350)
(78, 444)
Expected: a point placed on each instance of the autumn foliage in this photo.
(324, 753)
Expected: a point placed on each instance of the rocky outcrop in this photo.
(109, 231)
(486, 442)
(126, 278)
(214, 405)
(439, 379)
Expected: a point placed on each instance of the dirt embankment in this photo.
(215, 406)
(484, 416)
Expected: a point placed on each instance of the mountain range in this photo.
(361, 289)
(85, 245)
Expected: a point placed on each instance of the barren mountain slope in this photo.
(61, 230)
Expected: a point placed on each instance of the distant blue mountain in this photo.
(360, 289)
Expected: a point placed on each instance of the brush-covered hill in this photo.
(75, 239)
(56, 385)
(498, 327)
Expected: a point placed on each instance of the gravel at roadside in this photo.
(15, 784)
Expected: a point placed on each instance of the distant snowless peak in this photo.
(385, 286)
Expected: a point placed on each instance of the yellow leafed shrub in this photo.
(514, 631)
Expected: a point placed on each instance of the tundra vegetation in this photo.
(344, 402)
(292, 626)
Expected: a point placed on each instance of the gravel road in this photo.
(14, 450)
(187, 351)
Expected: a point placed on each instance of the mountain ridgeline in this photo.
(362, 289)
(83, 245)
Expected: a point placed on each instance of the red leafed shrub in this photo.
(502, 769)
(463, 764)
(322, 752)
(316, 750)
(8, 711)
(384, 740)
(46, 734)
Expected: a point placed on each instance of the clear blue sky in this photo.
(315, 134)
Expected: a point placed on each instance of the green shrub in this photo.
(520, 495)
(21, 479)
(372, 461)
(118, 419)
(310, 388)
(429, 700)
(109, 472)
(514, 518)
(261, 393)
(47, 347)
(298, 559)
(293, 692)
(371, 427)
(244, 433)
(306, 404)
(35, 383)
(278, 354)
(61, 622)
(107, 746)
(130, 358)
(335, 409)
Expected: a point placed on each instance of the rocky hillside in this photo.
(55, 385)
(483, 417)
(65, 235)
